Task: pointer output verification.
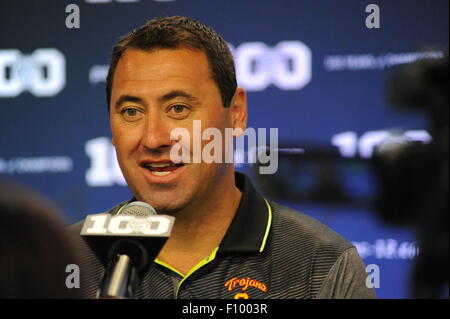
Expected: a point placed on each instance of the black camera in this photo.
(406, 181)
(414, 178)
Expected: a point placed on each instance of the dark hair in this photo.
(35, 246)
(180, 32)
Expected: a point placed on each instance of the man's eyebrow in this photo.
(178, 93)
(128, 98)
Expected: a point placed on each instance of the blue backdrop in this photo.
(312, 69)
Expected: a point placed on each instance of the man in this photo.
(228, 241)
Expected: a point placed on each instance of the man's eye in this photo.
(130, 112)
(179, 111)
(178, 108)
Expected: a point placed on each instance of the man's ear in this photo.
(238, 108)
(113, 142)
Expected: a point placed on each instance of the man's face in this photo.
(154, 92)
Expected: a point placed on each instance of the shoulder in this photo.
(303, 252)
(75, 229)
(77, 226)
(294, 226)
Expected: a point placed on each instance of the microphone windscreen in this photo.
(138, 209)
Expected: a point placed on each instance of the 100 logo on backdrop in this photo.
(42, 73)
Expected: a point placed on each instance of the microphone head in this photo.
(138, 209)
(136, 230)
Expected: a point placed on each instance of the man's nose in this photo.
(156, 135)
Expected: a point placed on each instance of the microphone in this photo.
(126, 244)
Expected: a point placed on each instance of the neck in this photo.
(198, 230)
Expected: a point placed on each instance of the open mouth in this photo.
(162, 169)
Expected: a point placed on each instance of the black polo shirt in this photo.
(269, 251)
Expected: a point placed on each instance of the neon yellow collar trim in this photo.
(202, 263)
(269, 223)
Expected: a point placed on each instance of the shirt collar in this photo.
(250, 227)
(251, 224)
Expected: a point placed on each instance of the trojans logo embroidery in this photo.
(244, 284)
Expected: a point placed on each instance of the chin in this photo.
(165, 206)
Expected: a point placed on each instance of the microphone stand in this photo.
(120, 279)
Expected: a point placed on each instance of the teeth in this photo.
(161, 173)
(159, 164)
